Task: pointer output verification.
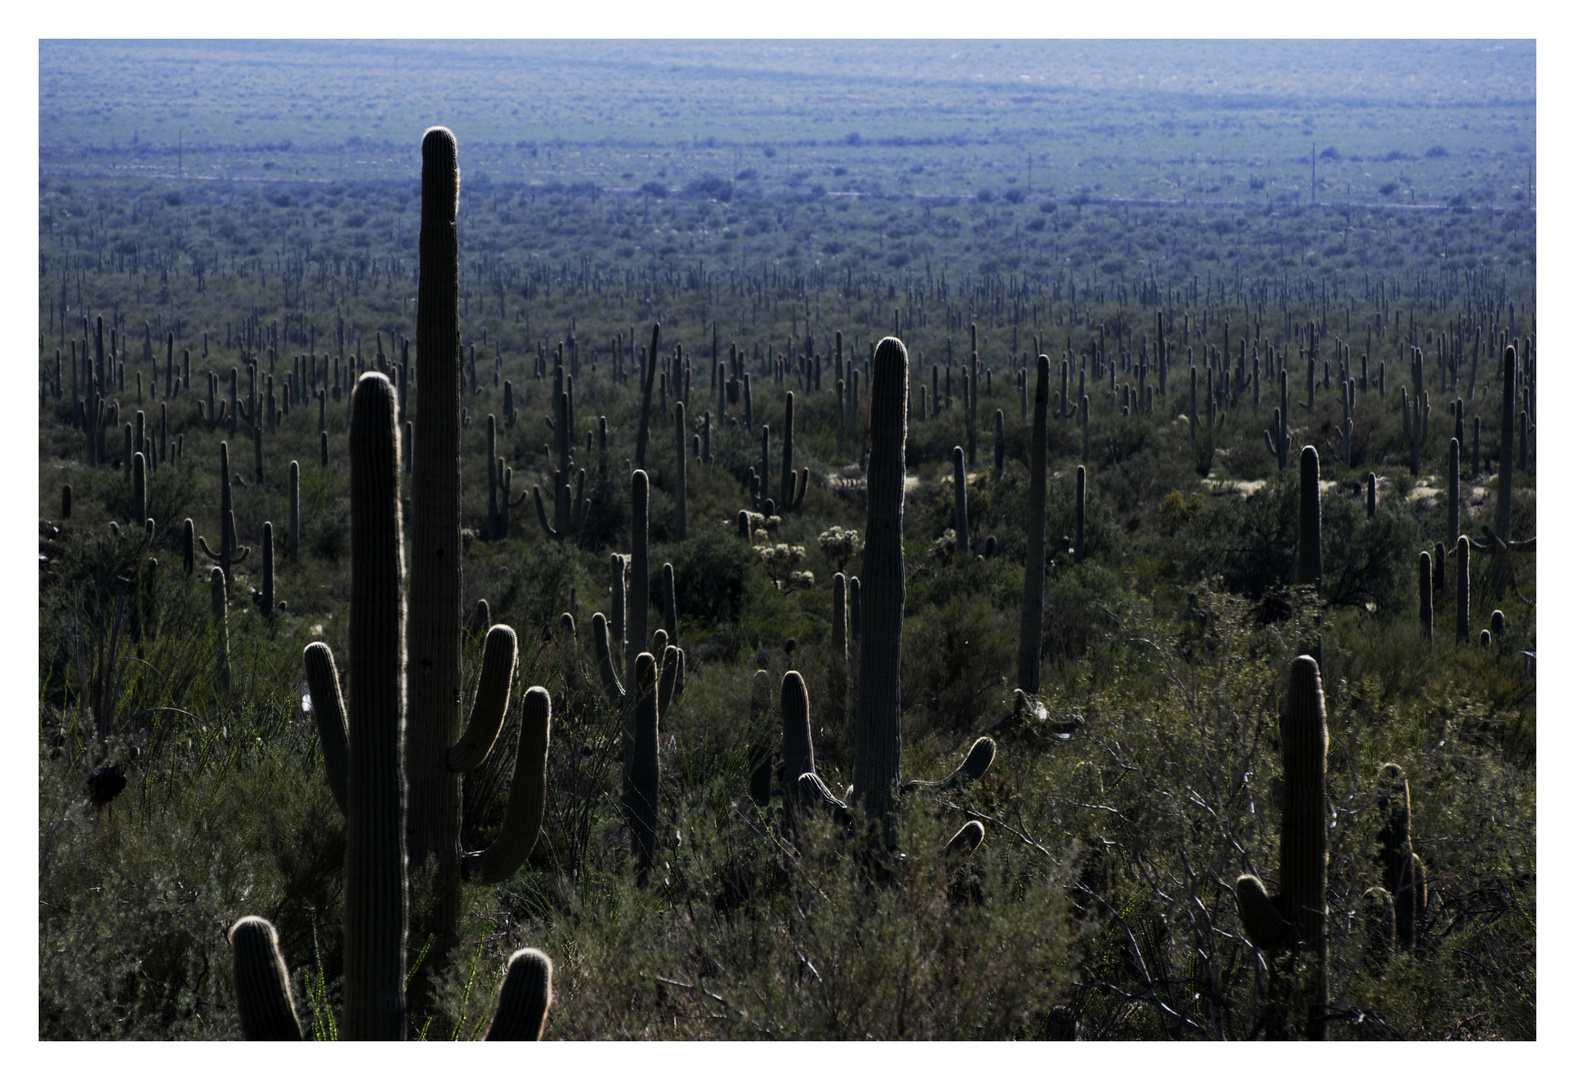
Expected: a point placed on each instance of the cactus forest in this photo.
(766, 540)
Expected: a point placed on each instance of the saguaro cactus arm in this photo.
(499, 659)
(604, 659)
(328, 709)
(527, 797)
(263, 1001)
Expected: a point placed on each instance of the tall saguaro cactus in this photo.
(1290, 925)
(877, 725)
(1030, 635)
(433, 689)
(376, 913)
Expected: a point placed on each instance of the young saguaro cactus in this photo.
(1290, 924)
(524, 998)
(960, 490)
(877, 725)
(263, 1002)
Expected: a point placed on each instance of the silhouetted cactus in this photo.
(524, 998)
(644, 764)
(877, 725)
(229, 555)
(960, 492)
(220, 605)
(1462, 590)
(263, 1002)
(1309, 549)
(1291, 923)
(1425, 594)
(1030, 638)
(793, 484)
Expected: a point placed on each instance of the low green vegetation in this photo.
(1094, 879)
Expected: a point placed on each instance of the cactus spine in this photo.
(1030, 637)
(1291, 924)
(877, 726)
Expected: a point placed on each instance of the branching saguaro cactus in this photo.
(877, 724)
(367, 759)
(1030, 636)
(229, 556)
(436, 754)
(1289, 926)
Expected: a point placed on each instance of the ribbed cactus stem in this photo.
(1453, 522)
(604, 659)
(269, 607)
(877, 726)
(433, 645)
(527, 796)
(328, 711)
(644, 764)
(1309, 550)
(648, 381)
(1506, 448)
(639, 597)
(1081, 514)
(1294, 920)
(1394, 849)
(760, 745)
(681, 481)
(139, 488)
(375, 902)
(221, 625)
(295, 512)
(798, 746)
(1462, 590)
(263, 1002)
(523, 999)
(1425, 594)
(669, 603)
(499, 660)
(960, 509)
(1030, 637)
(965, 841)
